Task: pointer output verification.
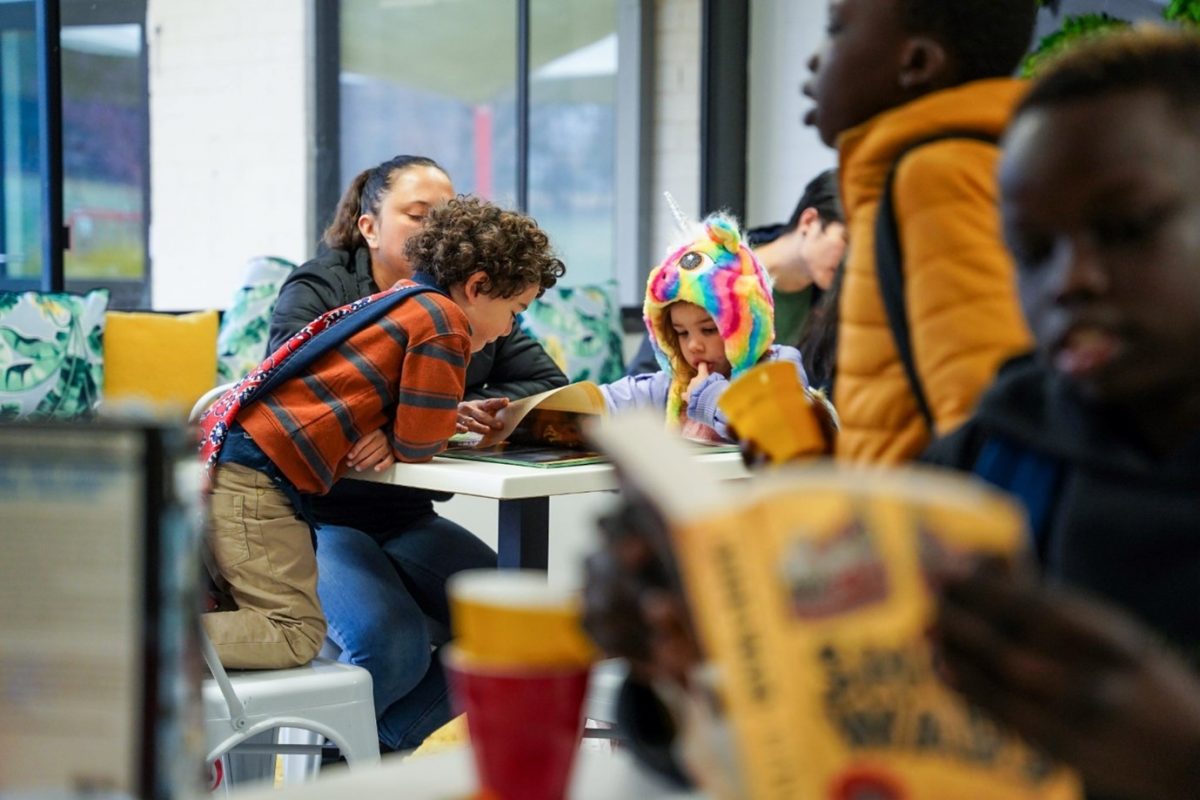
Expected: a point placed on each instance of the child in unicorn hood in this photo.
(711, 317)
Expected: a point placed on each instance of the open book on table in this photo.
(546, 430)
(543, 430)
(810, 592)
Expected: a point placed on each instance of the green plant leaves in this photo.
(1185, 11)
(1073, 31)
(51, 353)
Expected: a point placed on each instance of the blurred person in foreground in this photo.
(1099, 436)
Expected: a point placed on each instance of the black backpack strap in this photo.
(889, 268)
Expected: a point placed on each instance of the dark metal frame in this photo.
(724, 104)
(523, 540)
(635, 149)
(327, 100)
(48, 18)
(522, 103)
(48, 28)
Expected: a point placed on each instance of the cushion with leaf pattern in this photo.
(51, 353)
(242, 341)
(580, 329)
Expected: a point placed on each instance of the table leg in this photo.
(524, 533)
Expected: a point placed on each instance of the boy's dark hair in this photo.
(985, 38)
(363, 196)
(467, 235)
(821, 193)
(1146, 57)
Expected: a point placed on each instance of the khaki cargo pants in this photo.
(265, 560)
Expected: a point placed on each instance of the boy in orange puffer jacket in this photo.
(890, 75)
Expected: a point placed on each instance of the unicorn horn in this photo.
(685, 224)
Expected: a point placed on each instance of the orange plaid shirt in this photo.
(405, 374)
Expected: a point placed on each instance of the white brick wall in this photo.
(676, 165)
(230, 127)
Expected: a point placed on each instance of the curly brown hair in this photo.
(467, 235)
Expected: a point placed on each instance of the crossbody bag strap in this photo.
(889, 269)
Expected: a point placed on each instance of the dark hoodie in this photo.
(1120, 521)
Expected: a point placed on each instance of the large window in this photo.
(572, 131)
(443, 78)
(103, 124)
(436, 79)
(20, 137)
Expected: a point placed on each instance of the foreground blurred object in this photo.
(772, 410)
(1079, 677)
(519, 670)
(809, 593)
(98, 662)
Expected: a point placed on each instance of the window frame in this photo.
(633, 136)
(49, 17)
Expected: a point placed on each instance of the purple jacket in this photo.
(650, 391)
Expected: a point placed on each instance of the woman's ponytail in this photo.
(343, 233)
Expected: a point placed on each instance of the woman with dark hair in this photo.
(383, 553)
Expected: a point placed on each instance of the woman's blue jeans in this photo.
(384, 597)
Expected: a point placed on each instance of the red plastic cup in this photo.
(525, 725)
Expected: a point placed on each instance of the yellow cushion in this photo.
(160, 361)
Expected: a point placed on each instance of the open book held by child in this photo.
(809, 593)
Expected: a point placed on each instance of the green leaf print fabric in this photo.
(51, 353)
(580, 329)
(242, 340)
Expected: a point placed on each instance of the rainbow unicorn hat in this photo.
(715, 270)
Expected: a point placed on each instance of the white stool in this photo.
(326, 697)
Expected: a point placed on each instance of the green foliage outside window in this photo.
(1080, 27)
(1185, 11)
(1074, 30)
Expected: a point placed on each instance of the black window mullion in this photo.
(724, 104)
(327, 102)
(523, 105)
(49, 60)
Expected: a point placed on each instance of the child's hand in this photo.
(1074, 675)
(479, 416)
(701, 377)
(371, 451)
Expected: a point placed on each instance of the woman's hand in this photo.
(372, 451)
(1077, 677)
(479, 416)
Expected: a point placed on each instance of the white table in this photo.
(524, 493)
(450, 775)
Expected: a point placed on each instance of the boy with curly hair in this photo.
(394, 361)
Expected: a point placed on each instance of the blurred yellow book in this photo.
(811, 593)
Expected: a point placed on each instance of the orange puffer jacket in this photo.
(963, 314)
